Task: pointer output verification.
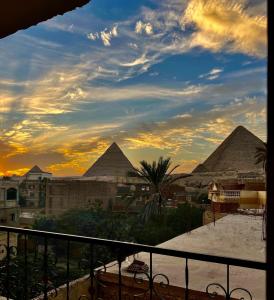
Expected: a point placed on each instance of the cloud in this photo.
(78, 101)
(182, 116)
(138, 61)
(212, 74)
(146, 28)
(225, 25)
(184, 138)
(105, 35)
(93, 36)
(148, 140)
(114, 30)
(133, 45)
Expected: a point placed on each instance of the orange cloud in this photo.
(226, 25)
(18, 172)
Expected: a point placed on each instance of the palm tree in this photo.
(159, 176)
(261, 156)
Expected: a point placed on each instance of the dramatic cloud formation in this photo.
(105, 35)
(141, 27)
(171, 80)
(220, 24)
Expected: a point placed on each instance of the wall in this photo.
(262, 197)
(31, 190)
(63, 195)
(9, 209)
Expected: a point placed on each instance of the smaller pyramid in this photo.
(34, 170)
(235, 153)
(112, 163)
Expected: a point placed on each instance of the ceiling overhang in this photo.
(21, 14)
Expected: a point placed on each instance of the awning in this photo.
(21, 14)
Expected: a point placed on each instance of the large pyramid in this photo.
(112, 163)
(236, 153)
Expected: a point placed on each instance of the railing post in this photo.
(8, 265)
(227, 283)
(120, 278)
(186, 279)
(91, 272)
(67, 283)
(150, 277)
(26, 268)
(45, 268)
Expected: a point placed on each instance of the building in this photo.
(32, 191)
(229, 195)
(9, 212)
(9, 202)
(63, 195)
(36, 173)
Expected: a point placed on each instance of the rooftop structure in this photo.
(37, 173)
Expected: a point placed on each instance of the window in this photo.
(13, 217)
(11, 194)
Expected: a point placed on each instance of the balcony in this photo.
(8, 203)
(43, 266)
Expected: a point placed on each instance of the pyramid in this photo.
(236, 153)
(34, 169)
(112, 163)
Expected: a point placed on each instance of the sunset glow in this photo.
(170, 78)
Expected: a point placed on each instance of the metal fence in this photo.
(41, 261)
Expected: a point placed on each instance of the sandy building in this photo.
(63, 195)
(9, 207)
(228, 196)
(33, 188)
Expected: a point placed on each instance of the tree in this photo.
(261, 156)
(159, 176)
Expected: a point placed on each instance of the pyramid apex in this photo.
(112, 162)
(241, 128)
(114, 144)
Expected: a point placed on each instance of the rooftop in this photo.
(238, 236)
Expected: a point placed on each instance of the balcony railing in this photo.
(43, 261)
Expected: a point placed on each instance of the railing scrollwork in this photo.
(43, 264)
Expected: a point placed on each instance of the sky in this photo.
(167, 78)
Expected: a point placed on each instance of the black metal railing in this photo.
(33, 264)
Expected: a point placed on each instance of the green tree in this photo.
(261, 156)
(159, 176)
